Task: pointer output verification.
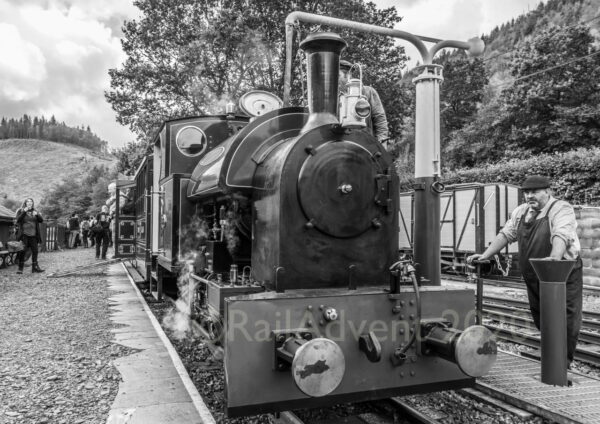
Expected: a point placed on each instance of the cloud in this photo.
(54, 60)
(23, 68)
(400, 5)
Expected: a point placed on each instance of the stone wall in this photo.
(588, 230)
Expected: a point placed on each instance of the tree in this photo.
(554, 103)
(84, 197)
(462, 90)
(481, 140)
(192, 56)
(130, 157)
(39, 128)
(551, 105)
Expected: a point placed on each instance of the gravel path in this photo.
(55, 343)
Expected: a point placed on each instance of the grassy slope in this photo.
(29, 168)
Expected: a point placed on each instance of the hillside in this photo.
(29, 167)
(508, 37)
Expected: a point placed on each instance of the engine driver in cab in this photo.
(377, 124)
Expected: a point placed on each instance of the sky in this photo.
(55, 54)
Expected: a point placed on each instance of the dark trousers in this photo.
(84, 235)
(28, 243)
(102, 238)
(574, 305)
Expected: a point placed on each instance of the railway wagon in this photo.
(470, 217)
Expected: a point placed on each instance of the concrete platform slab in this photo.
(169, 413)
(139, 325)
(155, 386)
(170, 391)
(141, 343)
(143, 334)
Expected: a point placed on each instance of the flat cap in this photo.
(535, 182)
(344, 64)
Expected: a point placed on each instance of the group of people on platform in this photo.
(91, 231)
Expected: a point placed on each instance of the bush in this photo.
(574, 174)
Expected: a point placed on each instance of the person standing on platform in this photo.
(92, 235)
(85, 231)
(101, 230)
(73, 227)
(544, 228)
(28, 221)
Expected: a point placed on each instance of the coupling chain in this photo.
(508, 264)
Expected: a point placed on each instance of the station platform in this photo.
(517, 380)
(155, 386)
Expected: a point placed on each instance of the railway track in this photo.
(408, 410)
(515, 283)
(515, 313)
(589, 354)
(526, 322)
(515, 307)
(591, 320)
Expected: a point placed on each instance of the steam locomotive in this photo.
(286, 226)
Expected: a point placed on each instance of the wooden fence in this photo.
(54, 236)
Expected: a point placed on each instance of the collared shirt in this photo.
(562, 224)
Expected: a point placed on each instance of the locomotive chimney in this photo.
(322, 51)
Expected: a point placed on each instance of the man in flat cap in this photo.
(544, 227)
(377, 124)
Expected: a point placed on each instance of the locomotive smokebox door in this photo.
(338, 179)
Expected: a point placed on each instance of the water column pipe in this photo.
(553, 277)
(427, 135)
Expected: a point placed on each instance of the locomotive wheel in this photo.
(338, 179)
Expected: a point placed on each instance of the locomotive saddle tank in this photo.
(336, 317)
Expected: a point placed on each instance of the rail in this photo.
(582, 354)
(512, 282)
